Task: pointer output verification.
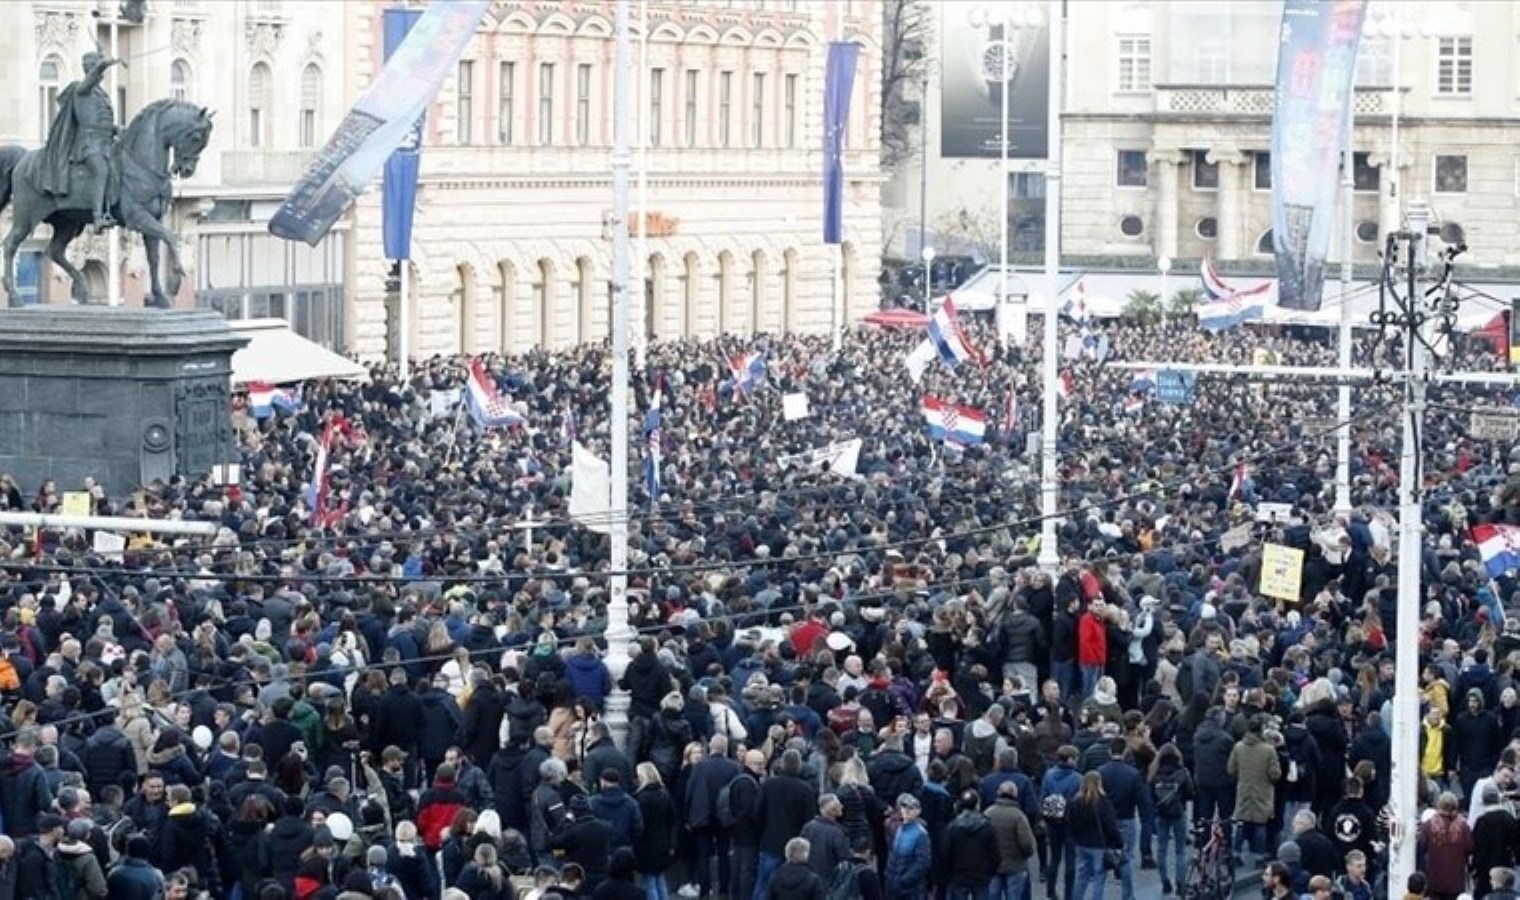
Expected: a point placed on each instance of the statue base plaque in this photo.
(126, 396)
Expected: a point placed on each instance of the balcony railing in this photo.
(1248, 101)
(244, 168)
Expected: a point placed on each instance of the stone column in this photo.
(1164, 231)
(1231, 164)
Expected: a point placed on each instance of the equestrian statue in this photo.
(89, 174)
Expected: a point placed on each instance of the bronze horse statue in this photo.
(162, 142)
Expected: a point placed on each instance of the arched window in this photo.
(543, 301)
(725, 278)
(311, 104)
(1264, 245)
(585, 300)
(49, 81)
(757, 291)
(691, 290)
(788, 290)
(654, 296)
(464, 308)
(258, 105)
(179, 80)
(506, 296)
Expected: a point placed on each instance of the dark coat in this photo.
(188, 837)
(133, 879)
(440, 723)
(480, 732)
(647, 683)
(794, 881)
(1324, 725)
(1093, 825)
(621, 813)
(1125, 788)
(24, 794)
(654, 847)
(970, 855)
(703, 783)
(1212, 746)
(586, 841)
(1317, 853)
(1304, 753)
(106, 757)
(398, 721)
(785, 805)
(893, 773)
(36, 872)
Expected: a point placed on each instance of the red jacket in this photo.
(436, 809)
(1092, 641)
(807, 634)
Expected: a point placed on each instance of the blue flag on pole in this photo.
(400, 190)
(838, 82)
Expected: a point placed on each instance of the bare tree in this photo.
(905, 37)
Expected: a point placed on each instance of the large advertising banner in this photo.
(380, 122)
(987, 51)
(1316, 62)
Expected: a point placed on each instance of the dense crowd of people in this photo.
(839, 686)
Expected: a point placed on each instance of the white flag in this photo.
(590, 490)
(919, 359)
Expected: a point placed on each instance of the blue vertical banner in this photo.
(383, 118)
(839, 80)
(399, 194)
(1316, 65)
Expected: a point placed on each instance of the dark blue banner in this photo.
(1316, 64)
(399, 194)
(1174, 387)
(839, 79)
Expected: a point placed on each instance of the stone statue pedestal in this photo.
(126, 396)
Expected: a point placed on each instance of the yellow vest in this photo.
(1432, 760)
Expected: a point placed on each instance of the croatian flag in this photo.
(1065, 385)
(1229, 306)
(1499, 545)
(1134, 405)
(1011, 415)
(1143, 381)
(748, 370)
(1238, 483)
(652, 437)
(953, 423)
(264, 399)
(487, 406)
(949, 340)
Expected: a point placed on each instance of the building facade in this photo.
(1167, 128)
(271, 70)
(510, 247)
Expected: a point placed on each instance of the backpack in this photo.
(728, 815)
(844, 883)
(982, 751)
(1169, 791)
(1053, 807)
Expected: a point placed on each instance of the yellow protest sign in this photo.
(1282, 569)
(75, 503)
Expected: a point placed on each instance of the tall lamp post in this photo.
(1050, 484)
(927, 254)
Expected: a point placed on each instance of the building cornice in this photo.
(498, 182)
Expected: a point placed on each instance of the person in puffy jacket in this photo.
(1057, 791)
(910, 854)
(794, 879)
(620, 811)
(588, 675)
(968, 861)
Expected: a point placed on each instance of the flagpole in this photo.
(836, 251)
(404, 313)
(1343, 393)
(641, 341)
(1050, 488)
(1001, 313)
(617, 606)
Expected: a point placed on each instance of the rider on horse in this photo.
(84, 131)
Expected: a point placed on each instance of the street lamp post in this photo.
(927, 254)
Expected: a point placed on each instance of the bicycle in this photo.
(1210, 873)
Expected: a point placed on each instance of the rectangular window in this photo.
(464, 103)
(1451, 174)
(1205, 173)
(545, 104)
(725, 108)
(1454, 66)
(1134, 63)
(582, 105)
(1131, 171)
(791, 111)
(656, 105)
(308, 134)
(1261, 166)
(757, 111)
(690, 124)
(256, 126)
(505, 106)
(1365, 177)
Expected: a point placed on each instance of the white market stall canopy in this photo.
(277, 355)
(1107, 294)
